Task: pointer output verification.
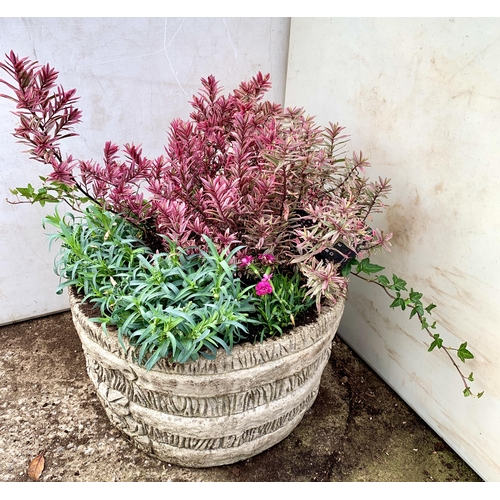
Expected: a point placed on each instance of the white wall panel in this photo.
(421, 98)
(133, 75)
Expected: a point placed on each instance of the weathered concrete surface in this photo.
(357, 430)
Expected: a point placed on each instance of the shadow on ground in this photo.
(357, 430)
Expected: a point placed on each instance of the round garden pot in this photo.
(207, 413)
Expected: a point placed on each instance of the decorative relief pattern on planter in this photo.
(226, 404)
(209, 412)
(231, 441)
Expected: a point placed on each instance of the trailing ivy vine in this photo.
(412, 300)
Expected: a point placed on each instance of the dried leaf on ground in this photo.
(36, 466)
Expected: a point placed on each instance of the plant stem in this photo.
(420, 317)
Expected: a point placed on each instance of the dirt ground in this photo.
(357, 430)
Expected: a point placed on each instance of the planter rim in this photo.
(243, 355)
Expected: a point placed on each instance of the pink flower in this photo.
(263, 287)
(267, 258)
(246, 261)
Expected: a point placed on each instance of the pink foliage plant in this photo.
(241, 170)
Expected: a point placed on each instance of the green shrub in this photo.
(176, 305)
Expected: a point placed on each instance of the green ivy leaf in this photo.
(437, 342)
(399, 302)
(467, 392)
(418, 310)
(27, 192)
(415, 296)
(346, 270)
(463, 353)
(471, 377)
(369, 268)
(383, 280)
(430, 307)
(397, 283)
(480, 394)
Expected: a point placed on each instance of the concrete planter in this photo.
(209, 412)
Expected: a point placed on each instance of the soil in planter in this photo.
(303, 319)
